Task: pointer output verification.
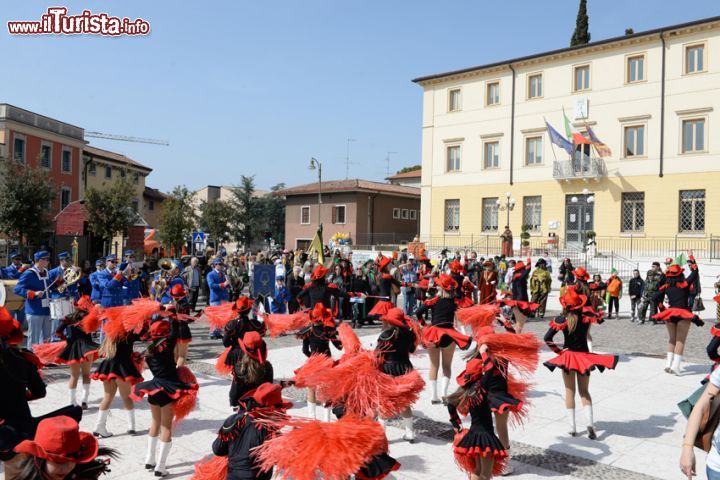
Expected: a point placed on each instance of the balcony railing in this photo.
(579, 168)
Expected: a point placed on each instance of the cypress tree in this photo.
(581, 35)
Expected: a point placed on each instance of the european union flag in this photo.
(559, 140)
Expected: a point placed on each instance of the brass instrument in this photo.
(71, 276)
(166, 266)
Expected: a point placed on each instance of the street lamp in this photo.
(509, 206)
(314, 163)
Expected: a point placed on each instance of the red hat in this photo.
(446, 282)
(243, 304)
(254, 346)
(320, 314)
(580, 273)
(384, 262)
(10, 329)
(572, 301)
(269, 395)
(455, 266)
(520, 265)
(668, 260)
(320, 272)
(84, 303)
(158, 329)
(178, 291)
(674, 270)
(473, 371)
(395, 316)
(59, 440)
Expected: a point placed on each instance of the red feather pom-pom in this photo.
(314, 371)
(185, 404)
(48, 352)
(220, 365)
(521, 350)
(314, 449)
(91, 322)
(139, 313)
(211, 468)
(518, 389)
(478, 316)
(417, 330)
(349, 339)
(219, 315)
(279, 323)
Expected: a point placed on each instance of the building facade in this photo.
(38, 141)
(650, 97)
(152, 206)
(408, 179)
(369, 212)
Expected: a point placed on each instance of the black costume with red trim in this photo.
(316, 339)
(184, 333)
(712, 350)
(166, 386)
(385, 284)
(122, 366)
(394, 347)
(499, 398)
(80, 346)
(234, 331)
(320, 291)
(240, 386)
(575, 355)
(21, 382)
(677, 291)
(442, 330)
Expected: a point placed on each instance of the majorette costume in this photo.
(714, 345)
(59, 440)
(519, 291)
(479, 439)
(395, 345)
(317, 336)
(677, 290)
(258, 420)
(319, 291)
(253, 346)
(441, 333)
(385, 286)
(179, 310)
(463, 293)
(21, 382)
(487, 283)
(575, 355)
(234, 321)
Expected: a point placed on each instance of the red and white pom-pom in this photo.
(185, 404)
(522, 351)
(139, 312)
(313, 449)
(279, 323)
(220, 366)
(349, 339)
(314, 371)
(219, 315)
(48, 352)
(211, 468)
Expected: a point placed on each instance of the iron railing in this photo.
(487, 245)
(634, 246)
(581, 168)
(599, 262)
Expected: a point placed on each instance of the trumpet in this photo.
(71, 276)
(166, 266)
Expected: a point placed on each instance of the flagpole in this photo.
(551, 143)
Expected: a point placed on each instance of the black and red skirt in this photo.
(444, 336)
(464, 302)
(79, 349)
(378, 467)
(581, 362)
(161, 391)
(478, 441)
(381, 308)
(117, 368)
(501, 401)
(396, 369)
(184, 333)
(527, 308)
(675, 315)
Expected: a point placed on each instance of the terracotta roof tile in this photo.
(117, 157)
(411, 174)
(351, 186)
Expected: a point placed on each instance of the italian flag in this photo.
(572, 134)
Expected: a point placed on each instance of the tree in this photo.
(109, 210)
(177, 220)
(25, 193)
(217, 218)
(271, 212)
(629, 31)
(409, 169)
(581, 36)
(246, 210)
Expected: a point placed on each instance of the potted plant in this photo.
(525, 240)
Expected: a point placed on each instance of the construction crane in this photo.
(124, 138)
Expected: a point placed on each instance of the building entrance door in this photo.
(579, 218)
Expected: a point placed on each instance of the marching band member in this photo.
(34, 285)
(96, 295)
(111, 282)
(217, 284)
(132, 288)
(57, 274)
(16, 268)
(174, 278)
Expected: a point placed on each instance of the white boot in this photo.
(433, 388)
(409, 432)
(590, 346)
(160, 470)
(507, 469)
(571, 420)
(131, 421)
(150, 457)
(311, 409)
(669, 361)
(675, 368)
(590, 424)
(326, 415)
(86, 395)
(100, 430)
(445, 385)
(73, 397)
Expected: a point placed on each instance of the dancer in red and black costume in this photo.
(168, 386)
(477, 450)
(394, 346)
(385, 283)
(441, 338)
(21, 382)
(519, 305)
(575, 358)
(179, 312)
(235, 329)
(319, 291)
(677, 317)
(252, 369)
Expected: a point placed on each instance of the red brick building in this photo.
(33, 139)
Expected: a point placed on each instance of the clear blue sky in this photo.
(257, 88)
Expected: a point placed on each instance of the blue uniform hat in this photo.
(63, 255)
(217, 261)
(111, 257)
(42, 254)
(178, 264)
(123, 266)
(128, 253)
(99, 261)
(15, 254)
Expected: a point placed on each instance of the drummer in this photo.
(34, 286)
(70, 293)
(132, 290)
(96, 294)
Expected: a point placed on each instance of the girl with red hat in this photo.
(78, 349)
(61, 451)
(253, 368)
(319, 291)
(179, 312)
(168, 386)
(677, 317)
(575, 358)
(234, 330)
(394, 346)
(441, 338)
(386, 283)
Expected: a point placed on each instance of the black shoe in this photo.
(436, 402)
(149, 466)
(84, 406)
(591, 433)
(131, 432)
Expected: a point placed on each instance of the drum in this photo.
(8, 298)
(61, 308)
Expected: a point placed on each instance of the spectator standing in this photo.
(509, 274)
(652, 284)
(337, 278)
(695, 288)
(295, 283)
(408, 271)
(217, 285)
(598, 291)
(636, 289)
(192, 276)
(565, 274)
(614, 292)
(540, 284)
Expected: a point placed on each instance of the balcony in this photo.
(585, 168)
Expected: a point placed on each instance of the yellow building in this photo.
(650, 97)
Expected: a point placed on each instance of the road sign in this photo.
(198, 237)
